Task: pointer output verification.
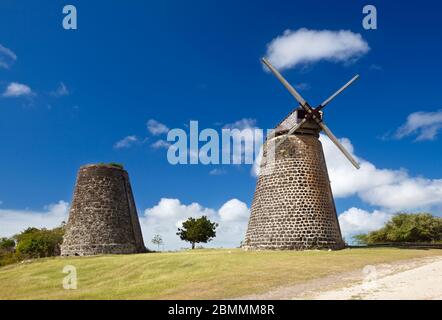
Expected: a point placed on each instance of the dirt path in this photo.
(411, 279)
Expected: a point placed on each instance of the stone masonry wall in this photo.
(293, 206)
(103, 217)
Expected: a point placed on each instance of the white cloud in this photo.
(126, 142)
(234, 210)
(307, 46)
(392, 190)
(425, 124)
(410, 193)
(165, 217)
(7, 57)
(346, 180)
(245, 123)
(356, 221)
(16, 89)
(15, 221)
(375, 67)
(160, 144)
(61, 91)
(156, 128)
(215, 172)
(303, 86)
(173, 208)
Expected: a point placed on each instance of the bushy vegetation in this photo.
(7, 244)
(31, 243)
(118, 165)
(7, 252)
(112, 164)
(35, 243)
(199, 230)
(421, 227)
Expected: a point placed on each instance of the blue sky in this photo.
(175, 61)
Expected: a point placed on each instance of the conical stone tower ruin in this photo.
(293, 206)
(103, 218)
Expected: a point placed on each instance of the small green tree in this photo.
(199, 230)
(157, 240)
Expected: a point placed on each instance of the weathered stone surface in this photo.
(103, 218)
(293, 206)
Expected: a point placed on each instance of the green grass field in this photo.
(198, 274)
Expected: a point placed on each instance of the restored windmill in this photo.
(293, 206)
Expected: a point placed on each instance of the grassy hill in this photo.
(198, 274)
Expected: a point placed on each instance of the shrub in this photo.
(7, 252)
(118, 165)
(35, 243)
(7, 245)
(112, 164)
(403, 227)
(31, 243)
(8, 258)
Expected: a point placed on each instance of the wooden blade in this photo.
(292, 90)
(326, 102)
(338, 144)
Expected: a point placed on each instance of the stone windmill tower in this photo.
(293, 206)
(103, 218)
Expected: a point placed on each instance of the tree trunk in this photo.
(193, 245)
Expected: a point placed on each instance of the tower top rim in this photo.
(103, 165)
